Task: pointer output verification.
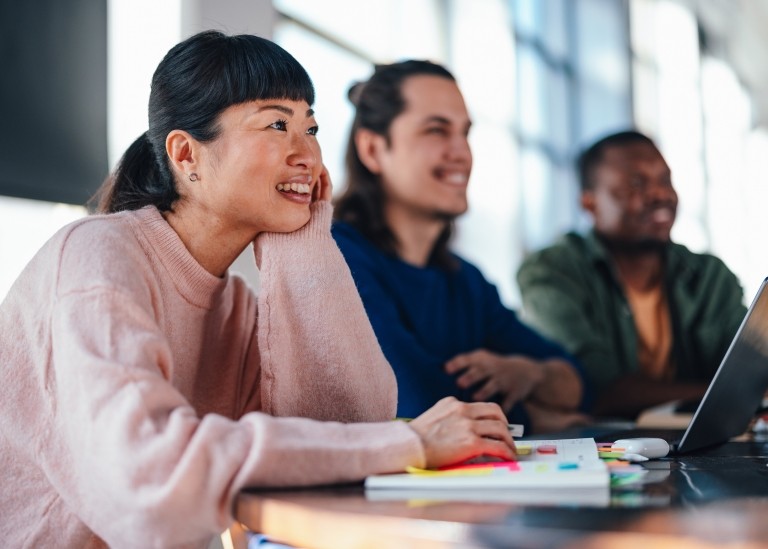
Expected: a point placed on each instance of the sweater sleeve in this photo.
(131, 457)
(509, 335)
(557, 303)
(418, 361)
(319, 355)
(422, 380)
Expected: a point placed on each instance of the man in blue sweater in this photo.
(441, 325)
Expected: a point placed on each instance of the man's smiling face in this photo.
(632, 199)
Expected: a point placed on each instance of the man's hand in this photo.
(513, 377)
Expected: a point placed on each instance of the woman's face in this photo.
(259, 173)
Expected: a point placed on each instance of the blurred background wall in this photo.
(542, 79)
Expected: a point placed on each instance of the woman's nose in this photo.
(304, 152)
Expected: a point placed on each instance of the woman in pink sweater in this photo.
(144, 386)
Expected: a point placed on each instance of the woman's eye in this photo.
(436, 130)
(281, 125)
(313, 130)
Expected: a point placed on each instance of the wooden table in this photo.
(710, 499)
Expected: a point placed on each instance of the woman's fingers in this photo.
(494, 430)
(323, 189)
(453, 431)
(485, 410)
(497, 449)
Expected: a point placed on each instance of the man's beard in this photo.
(444, 217)
(634, 247)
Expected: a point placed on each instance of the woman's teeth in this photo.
(301, 188)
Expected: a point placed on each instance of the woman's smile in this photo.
(297, 189)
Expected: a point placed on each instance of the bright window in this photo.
(25, 225)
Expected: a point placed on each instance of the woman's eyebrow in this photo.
(283, 109)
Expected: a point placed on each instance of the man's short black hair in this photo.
(591, 157)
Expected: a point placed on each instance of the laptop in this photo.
(735, 393)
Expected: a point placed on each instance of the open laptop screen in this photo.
(736, 391)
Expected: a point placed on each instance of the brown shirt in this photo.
(654, 331)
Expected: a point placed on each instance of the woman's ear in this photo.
(183, 151)
(370, 146)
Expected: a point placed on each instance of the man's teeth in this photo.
(301, 188)
(456, 178)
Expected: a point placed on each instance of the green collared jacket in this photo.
(571, 293)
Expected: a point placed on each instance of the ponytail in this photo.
(138, 181)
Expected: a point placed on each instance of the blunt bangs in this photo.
(259, 69)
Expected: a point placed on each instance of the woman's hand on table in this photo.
(453, 431)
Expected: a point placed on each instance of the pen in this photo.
(515, 429)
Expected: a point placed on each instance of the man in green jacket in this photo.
(648, 319)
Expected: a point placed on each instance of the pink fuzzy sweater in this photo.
(139, 391)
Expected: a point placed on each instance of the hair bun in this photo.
(355, 91)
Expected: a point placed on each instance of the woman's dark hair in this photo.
(378, 102)
(593, 155)
(197, 80)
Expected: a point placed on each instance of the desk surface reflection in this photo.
(714, 497)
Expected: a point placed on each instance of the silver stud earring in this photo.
(194, 177)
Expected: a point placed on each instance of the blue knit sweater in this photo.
(424, 317)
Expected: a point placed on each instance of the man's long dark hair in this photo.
(378, 102)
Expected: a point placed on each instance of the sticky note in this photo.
(512, 465)
(449, 473)
(547, 449)
(608, 455)
(472, 469)
(523, 449)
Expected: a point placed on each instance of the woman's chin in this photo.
(292, 223)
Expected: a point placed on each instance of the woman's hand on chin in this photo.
(323, 189)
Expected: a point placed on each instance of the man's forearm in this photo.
(631, 394)
(561, 387)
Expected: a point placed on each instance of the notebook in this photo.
(562, 471)
(734, 394)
